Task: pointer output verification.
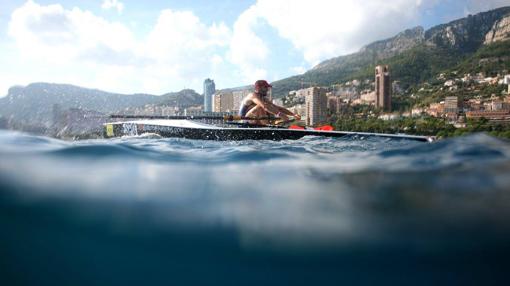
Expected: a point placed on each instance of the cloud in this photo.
(113, 4)
(58, 35)
(180, 35)
(318, 29)
(321, 29)
(179, 47)
(247, 50)
(183, 48)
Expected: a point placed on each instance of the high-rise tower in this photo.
(316, 103)
(382, 88)
(209, 90)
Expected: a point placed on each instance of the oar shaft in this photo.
(189, 117)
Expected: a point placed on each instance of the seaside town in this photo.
(414, 83)
(461, 98)
(316, 104)
(451, 99)
(319, 104)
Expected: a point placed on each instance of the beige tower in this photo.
(316, 105)
(382, 88)
(223, 102)
(237, 97)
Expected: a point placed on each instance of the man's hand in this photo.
(282, 116)
(297, 117)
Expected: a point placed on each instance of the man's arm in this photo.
(274, 109)
(288, 112)
(284, 110)
(267, 106)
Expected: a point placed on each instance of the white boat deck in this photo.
(171, 122)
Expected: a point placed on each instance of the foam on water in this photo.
(313, 210)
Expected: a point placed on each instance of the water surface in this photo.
(317, 210)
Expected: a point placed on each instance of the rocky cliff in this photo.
(466, 34)
(439, 47)
(379, 50)
(499, 32)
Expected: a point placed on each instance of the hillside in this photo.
(473, 44)
(183, 98)
(33, 104)
(489, 58)
(415, 55)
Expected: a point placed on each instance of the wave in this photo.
(281, 209)
(477, 147)
(380, 152)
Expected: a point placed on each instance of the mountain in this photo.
(499, 32)
(33, 104)
(183, 98)
(477, 43)
(414, 55)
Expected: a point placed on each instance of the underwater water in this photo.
(320, 211)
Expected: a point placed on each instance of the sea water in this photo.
(315, 211)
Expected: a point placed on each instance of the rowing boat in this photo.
(191, 129)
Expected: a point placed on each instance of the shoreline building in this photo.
(238, 96)
(383, 88)
(334, 104)
(451, 108)
(209, 90)
(316, 105)
(228, 101)
(223, 102)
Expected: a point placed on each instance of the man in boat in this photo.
(257, 105)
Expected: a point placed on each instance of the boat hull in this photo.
(199, 131)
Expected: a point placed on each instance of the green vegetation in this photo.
(422, 72)
(421, 126)
(489, 60)
(412, 68)
(426, 94)
(415, 66)
(420, 64)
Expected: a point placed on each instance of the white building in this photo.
(238, 97)
(417, 112)
(389, 116)
(449, 83)
(368, 98)
(316, 105)
(506, 79)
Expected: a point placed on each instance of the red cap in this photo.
(262, 83)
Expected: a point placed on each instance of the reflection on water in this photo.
(315, 210)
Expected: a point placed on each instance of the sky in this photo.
(161, 46)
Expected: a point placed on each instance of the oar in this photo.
(325, 128)
(189, 117)
(281, 121)
(320, 128)
(297, 127)
(248, 125)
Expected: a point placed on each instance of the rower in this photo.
(257, 105)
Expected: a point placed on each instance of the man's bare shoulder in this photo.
(253, 95)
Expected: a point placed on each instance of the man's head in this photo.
(262, 87)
